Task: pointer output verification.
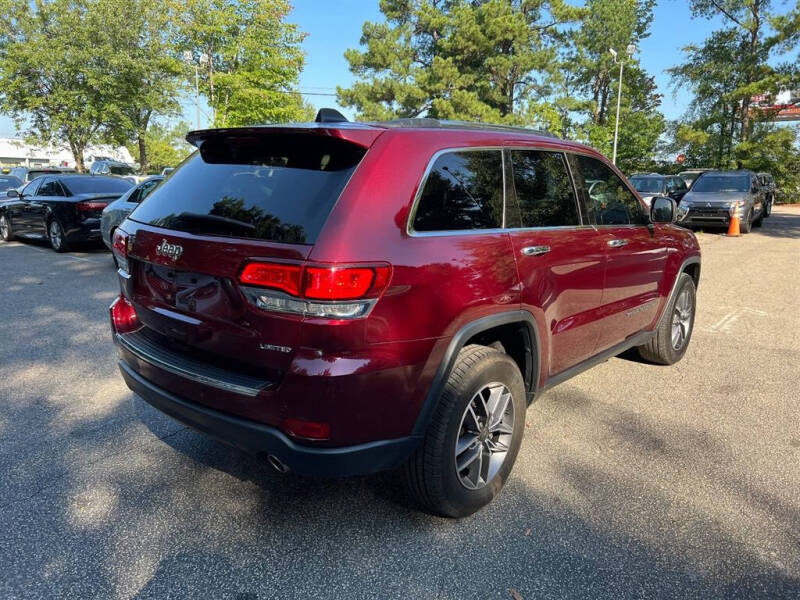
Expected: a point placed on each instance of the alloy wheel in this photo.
(55, 234)
(3, 227)
(681, 319)
(484, 436)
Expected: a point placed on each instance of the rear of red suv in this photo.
(347, 298)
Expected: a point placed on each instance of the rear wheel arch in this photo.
(516, 329)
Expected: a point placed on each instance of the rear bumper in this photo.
(259, 439)
(85, 231)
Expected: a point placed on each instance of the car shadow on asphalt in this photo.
(582, 525)
(782, 223)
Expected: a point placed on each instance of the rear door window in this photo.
(463, 191)
(271, 186)
(543, 193)
(50, 187)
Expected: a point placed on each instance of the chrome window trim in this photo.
(411, 232)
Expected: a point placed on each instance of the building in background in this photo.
(16, 152)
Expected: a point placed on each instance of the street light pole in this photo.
(629, 51)
(197, 94)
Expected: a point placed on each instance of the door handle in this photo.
(535, 250)
(617, 243)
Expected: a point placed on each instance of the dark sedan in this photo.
(65, 209)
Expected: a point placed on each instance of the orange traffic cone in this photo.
(733, 228)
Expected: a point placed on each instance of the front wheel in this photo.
(6, 232)
(55, 234)
(747, 222)
(674, 331)
(474, 435)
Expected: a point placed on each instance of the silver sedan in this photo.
(116, 212)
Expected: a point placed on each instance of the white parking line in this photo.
(725, 324)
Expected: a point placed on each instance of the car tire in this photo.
(479, 423)
(55, 234)
(759, 221)
(768, 208)
(6, 230)
(747, 223)
(664, 348)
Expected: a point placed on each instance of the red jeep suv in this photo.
(342, 298)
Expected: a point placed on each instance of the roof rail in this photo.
(448, 124)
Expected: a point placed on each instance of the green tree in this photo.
(145, 73)
(761, 34)
(53, 79)
(250, 59)
(488, 60)
(166, 146)
(773, 150)
(595, 75)
(713, 121)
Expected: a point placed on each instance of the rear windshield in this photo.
(276, 187)
(96, 185)
(722, 183)
(121, 170)
(8, 181)
(647, 184)
(34, 173)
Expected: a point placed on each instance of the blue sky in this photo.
(335, 25)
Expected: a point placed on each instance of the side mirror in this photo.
(663, 210)
(13, 193)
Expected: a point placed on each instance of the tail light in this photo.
(119, 246)
(336, 292)
(123, 316)
(90, 206)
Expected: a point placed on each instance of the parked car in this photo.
(116, 212)
(691, 175)
(769, 189)
(652, 185)
(9, 181)
(291, 291)
(65, 209)
(715, 195)
(167, 170)
(27, 174)
(116, 169)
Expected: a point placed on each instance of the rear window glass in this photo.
(276, 187)
(652, 185)
(96, 185)
(722, 183)
(121, 170)
(33, 173)
(464, 190)
(7, 182)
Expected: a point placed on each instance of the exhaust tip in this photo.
(277, 464)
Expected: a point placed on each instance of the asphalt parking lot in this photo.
(633, 481)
